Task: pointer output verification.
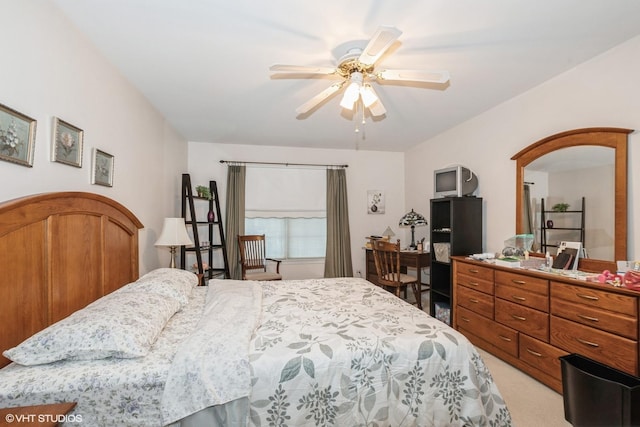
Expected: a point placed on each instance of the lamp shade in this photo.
(412, 219)
(174, 233)
(388, 232)
(352, 93)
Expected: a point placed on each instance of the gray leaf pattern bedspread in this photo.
(320, 352)
(344, 352)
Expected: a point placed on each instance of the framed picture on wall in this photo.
(67, 143)
(102, 173)
(375, 202)
(17, 136)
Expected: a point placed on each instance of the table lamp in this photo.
(412, 219)
(388, 233)
(174, 234)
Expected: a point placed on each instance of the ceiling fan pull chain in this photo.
(359, 107)
(355, 115)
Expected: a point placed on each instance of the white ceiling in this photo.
(204, 64)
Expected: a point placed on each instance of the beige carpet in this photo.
(531, 403)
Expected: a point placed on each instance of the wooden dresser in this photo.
(530, 318)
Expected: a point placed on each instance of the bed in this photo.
(338, 352)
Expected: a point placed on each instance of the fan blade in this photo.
(377, 109)
(379, 43)
(414, 76)
(301, 69)
(319, 98)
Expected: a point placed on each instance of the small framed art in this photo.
(17, 136)
(375, 202)
(67, 143)
(102, 173)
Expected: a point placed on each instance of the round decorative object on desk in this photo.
(549, 223)
(210, 216)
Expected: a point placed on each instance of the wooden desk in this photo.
(412, 259)
(39, 415)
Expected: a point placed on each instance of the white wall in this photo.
(601, 92)
(49, 69)
(368, 170)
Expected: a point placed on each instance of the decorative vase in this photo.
(210, 216)
(549, 223)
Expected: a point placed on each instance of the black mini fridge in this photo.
(595, 394)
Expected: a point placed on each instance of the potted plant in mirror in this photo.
(203, 191)
(560, 207)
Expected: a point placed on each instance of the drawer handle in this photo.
(474, 283)
(473, 270)
(589, 297)
(592, 344)
(515, 297)
(519, 282)
(535, 353)
(518, 317)
(593, 319)
(464, 319)
(473, 300)
(504, 338)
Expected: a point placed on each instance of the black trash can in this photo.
(595, 394)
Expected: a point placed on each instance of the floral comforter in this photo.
(339, 352)
(344, 352)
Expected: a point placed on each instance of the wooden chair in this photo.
(386, 256)
(254, 260)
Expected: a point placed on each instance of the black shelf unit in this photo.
(199, 226)
(458, 222)
(575, 218)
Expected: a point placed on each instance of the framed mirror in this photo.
(577, 154)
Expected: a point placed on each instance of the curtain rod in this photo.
(283, 164)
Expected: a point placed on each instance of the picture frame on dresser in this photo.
(17, 136)
(102, 171)
(574, 250)
(67, 143)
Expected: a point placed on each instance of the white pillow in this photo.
(171, 282)
(121, 325)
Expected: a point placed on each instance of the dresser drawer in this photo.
(609, 321)
(523, 297)
(612, 350)
(479, 272)
(475, 301)
(531, 284)
(604, 300)
(541, 356)
(473, 282)
(524, 319)
(499, 335)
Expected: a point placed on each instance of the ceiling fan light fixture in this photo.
(352, 93)
(353, 66)
(377, 109)
(369, 96)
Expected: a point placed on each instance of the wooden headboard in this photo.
(58, 253)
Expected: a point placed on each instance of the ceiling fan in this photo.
(357, 70)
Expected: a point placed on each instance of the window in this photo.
(288, 206)
(291, 238)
